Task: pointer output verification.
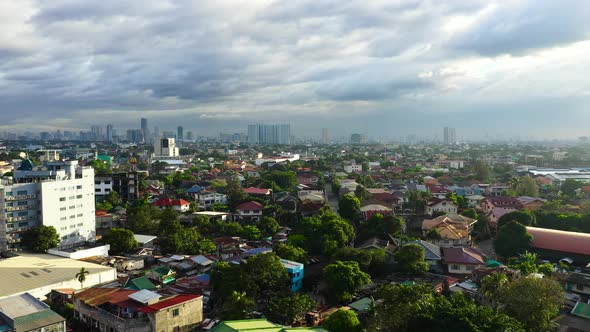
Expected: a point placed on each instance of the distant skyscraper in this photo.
(110, 132)
(189, 136)
(356, 138)
(156, 131)
(180, 133)
(145, 131)
(324, 135)
(450, 136)
(269, 134)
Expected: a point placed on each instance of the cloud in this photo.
(217, 65)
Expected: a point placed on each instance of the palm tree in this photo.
(491, 284)
(81, 276)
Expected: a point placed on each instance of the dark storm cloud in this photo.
(226, 62)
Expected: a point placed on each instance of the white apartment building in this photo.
(165, 147)
(58, 194)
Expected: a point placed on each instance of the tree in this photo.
(238, 306)
(121, 240)
(140, 221)
(481, 170)
(186, 241)
(81, 276)
(290, 252)
(113, 199)
(569, 187)
(527, 187)
(284, 179)
(218, 184)
(411, 259)
(490, 285)
(512, 239)
(343, 279)
(250, 232)
(235, 193)
(470, 213)
(268, 226)
(100, 167)
(360, 192)
(349, 207)
(40, 238)
(533, 301)
(524, 217)
(265, 276)
(343, 320)
(289, 309)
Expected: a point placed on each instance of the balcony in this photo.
(23, 218)
(20, 197)
(109, 320)
(20, 208)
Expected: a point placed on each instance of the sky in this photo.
(514, 68)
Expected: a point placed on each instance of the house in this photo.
(309, 208)
(24, 312)
(179, 205)
(474, 200)
(145, 241)
(287, 201)
(453, 230)
(116, 309)
(162, 274)
(463, 260)
(249, 212)
(368, 211)
(496, 207)
(437, 205)
(433, 255)
(140, 284)
(260, 192)
(308, 179)
(194, 190)
(259, 325)
(438, 191)
(353, 168)
(496, 190)
(207, 198)
(228, 246)
(295, 271)
(578, 283)
(382, 195)
(531, 203)
(560, 242)
(374, 243)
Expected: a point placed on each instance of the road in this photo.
(332, 198)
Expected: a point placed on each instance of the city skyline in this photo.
(388, 69)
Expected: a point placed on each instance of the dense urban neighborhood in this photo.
(167, 233)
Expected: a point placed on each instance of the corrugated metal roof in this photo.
(37, 320)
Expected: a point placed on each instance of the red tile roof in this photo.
(169, 302)
(252, 205)
(463, 256)
(504, 202)
(170, 202)
(257, 191)
(551, 239)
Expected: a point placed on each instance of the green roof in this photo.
(259, 325)
(493, 263)
(582, 309)
(361, 305)
(37, 320)
(140, 283)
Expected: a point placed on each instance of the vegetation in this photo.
(81, 276)
(349, 207)
(343, 320)
(40, 239)
(512, 239)
(343, 279)
(410, 259)
(121, 240)
(289, 309)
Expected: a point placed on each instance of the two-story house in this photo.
(249, 212)
(451, 230)
(205, 199)
(295, 271)
(496, 207)
(463, 260)
(436, 205)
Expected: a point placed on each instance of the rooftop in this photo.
(21, 305)
(551, 239)
(30, 271)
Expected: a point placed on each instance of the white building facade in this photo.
(58, 194)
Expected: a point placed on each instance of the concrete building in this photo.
(145, 131)
(26, 313)
(450, 135)
(58, 194)
(126, 184)
(180, 133)
(110, 133)
(269, 134)
(126, 310)
(165, 147)
(295, 271)
(325, 136)
(38, 274)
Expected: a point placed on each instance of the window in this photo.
(64, 237)
(9, 193)
(78, 196)
(470, 267)
(72, 226)
(21, 203)
(72, 216)
(72, 207)
(63, 218)
(72, 235)
(72, 197)
(79, 186)
(175, 312)
(579, 287)
(107, 182)
(80, 225)
(23, 224)
(96, 182)
(21, 192)
(97, 190)
(455, 267)
(62, 208)
(23, 213)
(62, 199)
(79, 215)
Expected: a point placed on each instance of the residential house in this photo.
(578, 283)
(353, 168)
(287, 201)
(295, 271)
(453, 230)
(309, 208)
(116, 309)
(433, 255)
(228, 246)
(140, 283)
(208, 198)
(438, 191)
(194, 190)
(382, 195)
(474, 200)
(368, 211)
(259, 192)
(496, 207)
(26, 313)
(437, 205)
(179, 205)
(249, 212)
(463, 260)
(375, 243)
(163, 275)
(496, 190)
(531, 203)
(308, 179)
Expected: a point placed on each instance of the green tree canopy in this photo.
(121, 240)
(512, 239)
(268, 226)
(238, 306)
(343, 279)
(289, 309)
(343, 320)
(251, 233)
(349, 207)
(410, 259)
(533, 301)
(290, 252)
(524, 217)
(569, 187)
(40, 238)
(527, 187)
(481, 170)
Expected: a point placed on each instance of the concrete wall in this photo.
(462, 268)
(96, 251)
(190, 315)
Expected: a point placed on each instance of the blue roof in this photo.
(194, 189)
(431, 251)
(26, 165)
(257, 251)
(204, 278)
